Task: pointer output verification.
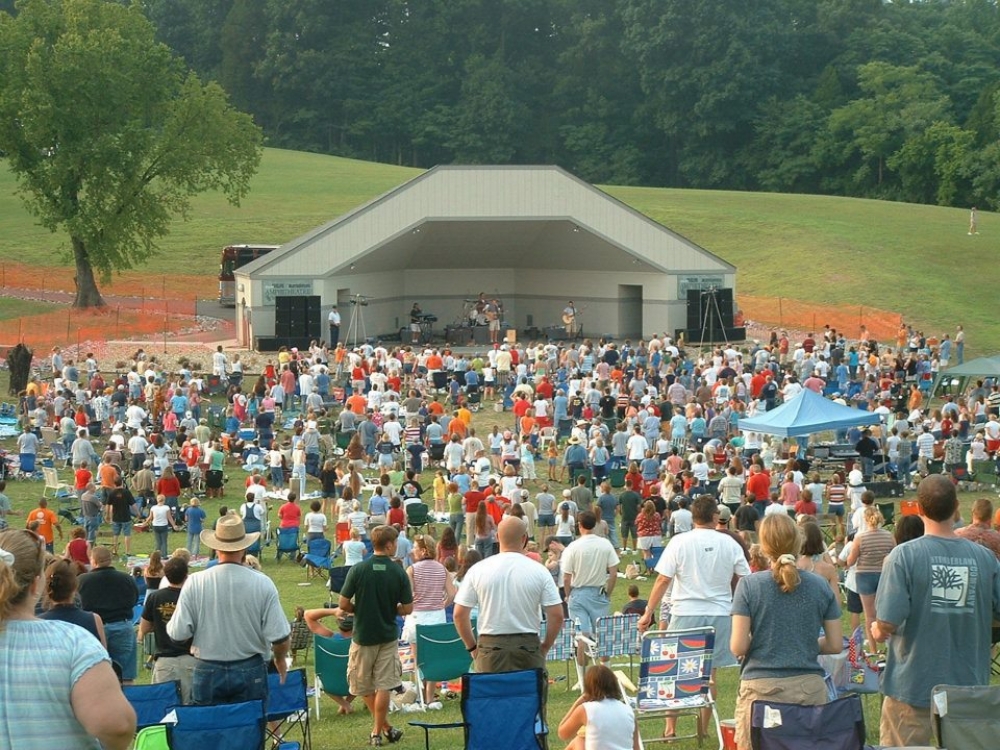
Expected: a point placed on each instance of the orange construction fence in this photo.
(852, 321)
(71, 327)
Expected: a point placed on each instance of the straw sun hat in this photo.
(230, 535)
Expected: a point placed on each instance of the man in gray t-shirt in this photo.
(937, 598)
(608, 504)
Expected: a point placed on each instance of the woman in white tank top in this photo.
(599, 719)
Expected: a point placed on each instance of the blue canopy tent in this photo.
(806, 414)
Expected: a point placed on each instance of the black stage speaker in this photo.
(699, 305)
(297, 317)
(313, 317)
(283, 316)
(460, 335)
(556, 333)
(694, 316)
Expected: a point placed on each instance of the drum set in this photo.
(479, 312)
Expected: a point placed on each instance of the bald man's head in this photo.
(512, 534)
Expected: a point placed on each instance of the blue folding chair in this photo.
(227, 726)
(500, 711)
(251, 525)
(288, 543)
(153, 702)
(654, 558)
(318, 558)
(839, 725)
(287, 708)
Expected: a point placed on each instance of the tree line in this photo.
(894, 100)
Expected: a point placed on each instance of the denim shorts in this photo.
(547, 519)
(229, 681)
(586, 605)
(867, 583)
(121, 529)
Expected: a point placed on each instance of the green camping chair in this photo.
(441, 655)
(331, 667)
(418, 515)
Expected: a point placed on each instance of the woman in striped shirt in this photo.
(836, 493)
(433, 591)
(869, 551)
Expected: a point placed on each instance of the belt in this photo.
(113, 622)
(507, 635)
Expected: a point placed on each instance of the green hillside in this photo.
(916, 259)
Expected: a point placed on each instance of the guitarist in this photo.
(569, 319)
(492, 312)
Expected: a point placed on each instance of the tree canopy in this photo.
(781, 95)
(108, 133)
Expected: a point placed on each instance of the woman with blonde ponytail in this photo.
(57, 687)
(777, 617)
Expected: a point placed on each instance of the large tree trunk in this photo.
(87, 293)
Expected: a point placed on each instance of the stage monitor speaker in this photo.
(732, 335)
(556, 333)
(460, 335)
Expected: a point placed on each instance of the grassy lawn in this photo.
(913, 259)
(351, 731)
(12, 309)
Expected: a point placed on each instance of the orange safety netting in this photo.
(131, 284)
(69, 327)
(853, 321)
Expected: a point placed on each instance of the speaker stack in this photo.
(703, 320)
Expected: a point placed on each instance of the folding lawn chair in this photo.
(838, 725)
(417, 516)
(888, 511)
(500, 711)
(564, 649)
(287, 708)
(229, 726)
(59, 489)
(655, 553)
(317, 557)
(288, 543)
(338, 576)
(441, 655)
(675, 672)
(152, 703)
(331, 668)
(59, 454)
(615, 636)
(965, 717)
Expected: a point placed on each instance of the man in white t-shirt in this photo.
(702, 565)
(511, 591)
(590, 570)
(636, 447)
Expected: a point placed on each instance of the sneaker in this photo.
(435, 705)
(393, 735)
(375, 740)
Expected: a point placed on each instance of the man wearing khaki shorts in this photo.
(375, 592)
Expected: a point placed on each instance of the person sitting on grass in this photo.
(599, 718)
(635, 605)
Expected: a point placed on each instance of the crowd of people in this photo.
(641, 446)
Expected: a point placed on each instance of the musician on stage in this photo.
(416, 314)
(492, 313)
(569, 319)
